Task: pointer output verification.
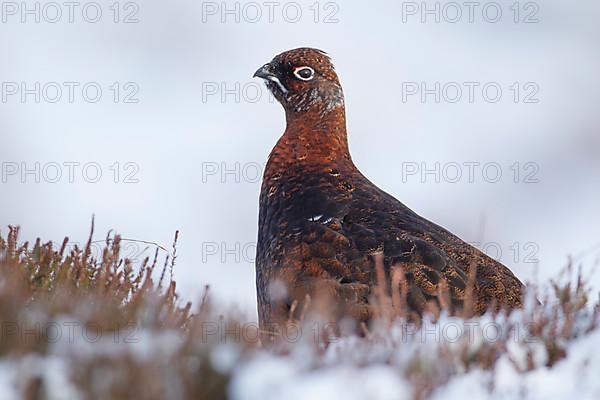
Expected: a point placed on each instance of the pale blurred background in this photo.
(181, 136)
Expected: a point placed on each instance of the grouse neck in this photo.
(314, 137)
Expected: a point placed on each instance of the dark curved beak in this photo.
(265, 72)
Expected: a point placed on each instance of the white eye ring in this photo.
(297, 73)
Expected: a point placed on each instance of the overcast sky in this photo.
(485, 122)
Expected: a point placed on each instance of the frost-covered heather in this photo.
(77, 328)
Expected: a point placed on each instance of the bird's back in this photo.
(328, 223)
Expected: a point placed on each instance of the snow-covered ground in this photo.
(483, 358)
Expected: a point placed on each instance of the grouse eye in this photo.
(304, 73)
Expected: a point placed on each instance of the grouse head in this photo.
(303, 80)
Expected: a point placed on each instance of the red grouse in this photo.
(321, 221)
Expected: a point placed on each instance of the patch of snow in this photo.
(271, 377)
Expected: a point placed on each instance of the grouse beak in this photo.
(265, 72)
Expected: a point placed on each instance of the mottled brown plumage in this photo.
(321, 221)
